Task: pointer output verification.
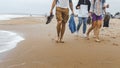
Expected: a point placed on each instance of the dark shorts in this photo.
(96, 17)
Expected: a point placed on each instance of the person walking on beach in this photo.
(62, 16)
(107, 16)
(96, 13)
(84, 7)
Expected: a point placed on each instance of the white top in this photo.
(63, 3)
(83, 11)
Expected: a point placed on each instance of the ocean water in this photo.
(41, 6)
(10, 16)
(9, 40)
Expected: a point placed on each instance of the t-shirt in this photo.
(83, 11)
(84, 8)
(85, 2)
(63, 3)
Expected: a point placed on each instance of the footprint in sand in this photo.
(52, 39)
(76, 38)
(49, 35)
(113, 37)
(107, 35)
(115, 44)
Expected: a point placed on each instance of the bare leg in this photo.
(91, 28)
(58, 30)
(62, 32)
(95, 30)
(99, 24)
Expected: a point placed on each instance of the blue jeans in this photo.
(84, 21)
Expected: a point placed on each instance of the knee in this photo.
(93, 26)
(100, 25)
(59, 22)
(63, 24)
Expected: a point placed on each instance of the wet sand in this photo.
(39, 49)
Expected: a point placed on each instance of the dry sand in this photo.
(39, 49)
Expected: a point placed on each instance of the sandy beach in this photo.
(39, 49)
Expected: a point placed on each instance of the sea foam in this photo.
(9, 40)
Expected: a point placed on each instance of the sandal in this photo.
(49, 18)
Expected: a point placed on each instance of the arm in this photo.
(92, 6)
(78, 5)
(53, 5)
(89, 5)
(71, 6)
(104, 7)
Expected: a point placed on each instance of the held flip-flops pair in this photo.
(49, 18)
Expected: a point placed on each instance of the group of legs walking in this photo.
(62, 15)
(95, 26)
(61, 25)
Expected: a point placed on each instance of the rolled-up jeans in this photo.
(84, 21)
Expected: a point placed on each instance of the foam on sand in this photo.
(9, 40)
(9, 17)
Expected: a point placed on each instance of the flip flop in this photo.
(49, 18)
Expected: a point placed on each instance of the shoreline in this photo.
(39, 50)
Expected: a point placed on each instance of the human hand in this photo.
(51, 12)
(90, 14)
(107, 6)
(77, 7)
(72, 13)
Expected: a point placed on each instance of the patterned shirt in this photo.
(97, 7)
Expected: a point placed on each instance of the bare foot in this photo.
(57, 41)
(87, 37)
(97, 40)
(94, 36)
(62, 42)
